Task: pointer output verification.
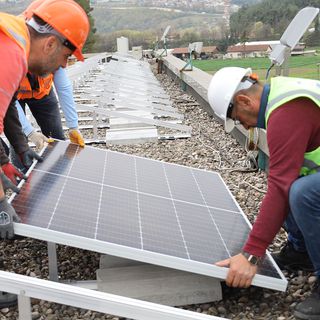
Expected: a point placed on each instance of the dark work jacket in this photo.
(13, 132)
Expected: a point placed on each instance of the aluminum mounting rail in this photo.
(80, 68)
(119, 84)
(120, 91)
(124, 104)
(28, 287)
(133, 85)
(155, 122)
(134, 77)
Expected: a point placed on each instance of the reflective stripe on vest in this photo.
(16, 29)
(294, 94)
(285, 89)
(25, 90)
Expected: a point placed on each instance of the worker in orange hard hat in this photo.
(64, 19)
(56, 30)
(38, 94)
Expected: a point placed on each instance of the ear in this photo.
(243, 101)
(50, 44)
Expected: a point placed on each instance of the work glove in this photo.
(7, 217)
(9, 176)
(38, 139)
(7, 183)
(76, 137)
(28, 156)
(12, 172)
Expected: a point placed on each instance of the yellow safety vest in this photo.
(284, 89)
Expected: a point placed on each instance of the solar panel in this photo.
(136, 208)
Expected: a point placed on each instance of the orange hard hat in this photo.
(67, 17)
(28, 13)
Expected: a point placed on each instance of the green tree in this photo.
(260, 30)
(275, 16)
(223, 44)
(85, 4)
(313, 39)
(189, 36)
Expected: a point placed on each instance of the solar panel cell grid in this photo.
(138, 203)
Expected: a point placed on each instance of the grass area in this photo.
(300, 66)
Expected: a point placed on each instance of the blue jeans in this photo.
(303, 221)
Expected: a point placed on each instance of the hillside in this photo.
(143, 26)
(266, 19)
(149, 19)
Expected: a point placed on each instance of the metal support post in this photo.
(189, 65)
(183, 84)
(285, 65)
(164, 53)
(284, 68)
(24, 306)
(53, 265)
(160, 66)
(95, 125)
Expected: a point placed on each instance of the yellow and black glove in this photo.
(76, 137)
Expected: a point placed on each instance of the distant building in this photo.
(298, 49)
(180, 53)
(254, 49)
(247, 51)
(210, 52)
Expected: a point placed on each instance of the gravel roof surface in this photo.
(209, 148)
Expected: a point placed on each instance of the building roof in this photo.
(209, 49)
(179, 50)
(249, 48)
(254, 43)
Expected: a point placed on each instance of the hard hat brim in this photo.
(77, 53)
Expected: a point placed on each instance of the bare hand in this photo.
(241, 271)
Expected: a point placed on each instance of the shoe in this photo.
(7, 300)
(309, 309)
(292, 260)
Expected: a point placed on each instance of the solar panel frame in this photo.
(143, 254)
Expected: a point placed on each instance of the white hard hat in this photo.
(224, 84)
